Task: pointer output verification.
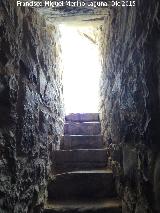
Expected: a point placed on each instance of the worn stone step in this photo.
(79, 159)
(82, 184)
(86, 128)
(60, 168)
(82, 142)
(78, 206)
(82, 117)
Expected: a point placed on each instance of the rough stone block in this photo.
(82, 142)
(157, 183)
(79, 159)
(82, 117)
(129, 160)
(102, 205)
(82, 184)
(92, 128)
(80, 155)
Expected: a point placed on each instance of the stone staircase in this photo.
(83, 183)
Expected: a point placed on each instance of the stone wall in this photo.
(31, 108)
(130, 103)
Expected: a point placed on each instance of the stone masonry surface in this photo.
(31, 107)
(130, 109)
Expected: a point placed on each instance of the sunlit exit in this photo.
(81, 64)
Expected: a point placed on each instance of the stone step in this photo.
(79, 159)
(82, 184)
(82, 142)
(81, 206)
(86, 128)
(82, 117)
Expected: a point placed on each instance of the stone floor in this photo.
(83, 182)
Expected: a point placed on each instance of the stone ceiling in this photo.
(74, 13)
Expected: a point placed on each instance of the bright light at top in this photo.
(82, 68)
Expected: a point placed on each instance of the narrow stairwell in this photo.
(83, 183)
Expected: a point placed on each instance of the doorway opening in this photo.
(81, 66)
